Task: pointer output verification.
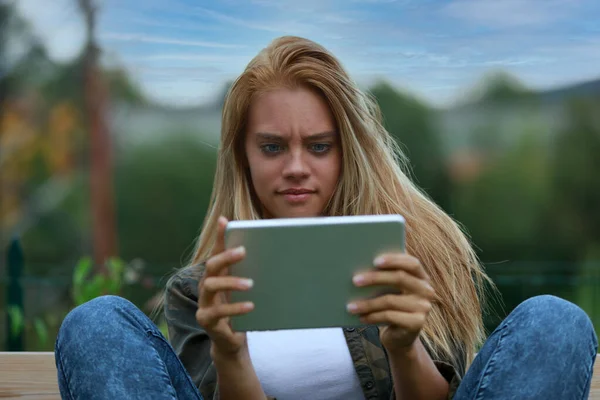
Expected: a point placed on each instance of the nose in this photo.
(295, 166)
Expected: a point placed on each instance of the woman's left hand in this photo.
(402, 314)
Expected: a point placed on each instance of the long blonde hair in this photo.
(372, 181)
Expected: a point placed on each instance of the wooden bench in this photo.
(32, 376)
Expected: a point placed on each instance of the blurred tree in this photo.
(575, 184)
(498, 87)
(163, 190)
(5, 15)
(502, 207)
(101, 183)
(43, 144)
(411, 123)
(121, 87)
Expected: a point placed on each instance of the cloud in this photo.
(172, 25)
(509, 13)
(182, 52)
(273, 25)
(178, 72)
(141, 37)
(306, 5)
(375, 1)
(519, 61)
(208, 58)
(335, 19)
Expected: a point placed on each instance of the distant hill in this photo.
(507, 118)
(585, 89)
(504, 90)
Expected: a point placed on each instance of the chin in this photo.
(297, 213)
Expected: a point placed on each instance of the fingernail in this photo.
(239, 251)
(351, 307)
(379, 261)
(247, 283)
(248, 305)
(358, 279)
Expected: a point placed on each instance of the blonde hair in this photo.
(372, 181)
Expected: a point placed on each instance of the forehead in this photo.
(290, 110)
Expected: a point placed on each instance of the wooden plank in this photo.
(595, 389)
(28, 376)
(32, 376)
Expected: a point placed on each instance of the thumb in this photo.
(219, 246)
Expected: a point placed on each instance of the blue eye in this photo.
(320, 147)
(270, 148)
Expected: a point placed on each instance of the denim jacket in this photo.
(192, 345)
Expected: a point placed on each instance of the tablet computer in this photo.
(303, 267)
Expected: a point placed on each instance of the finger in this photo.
(219, 246)
(405, 303)
(401, 261)
(214, 266)
(399, 279)
(217, 263)
(411, 321)
(208, 317)
(219, 283)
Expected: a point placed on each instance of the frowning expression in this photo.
(293, 152)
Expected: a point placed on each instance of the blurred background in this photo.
(110, 118)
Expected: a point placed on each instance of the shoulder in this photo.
(185, 281)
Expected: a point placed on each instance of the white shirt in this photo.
(304, 364)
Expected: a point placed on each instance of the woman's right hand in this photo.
(214, 309)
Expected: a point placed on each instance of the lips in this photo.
(297, 196)
(296, 191)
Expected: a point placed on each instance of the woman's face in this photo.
(293, 152)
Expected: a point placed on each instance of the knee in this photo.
(93, 319)
(548, 315)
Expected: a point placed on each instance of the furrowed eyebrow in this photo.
(276, 137)
(268, 136)
(322, 135)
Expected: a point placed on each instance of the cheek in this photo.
(263, 172)
(330, 172)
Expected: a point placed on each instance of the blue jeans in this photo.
(108, 349)
(544, 349)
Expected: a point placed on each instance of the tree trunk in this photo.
(102, 196)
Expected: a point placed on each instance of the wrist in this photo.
(409, 352)
(229, 357)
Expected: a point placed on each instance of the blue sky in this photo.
(182, 51)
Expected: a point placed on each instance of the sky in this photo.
(182, 52)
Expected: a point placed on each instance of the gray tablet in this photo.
(302, 267)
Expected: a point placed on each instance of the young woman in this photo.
(299, 139)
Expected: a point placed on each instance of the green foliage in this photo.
(499, 86)
(411, 123)
(17, 320)
(162, 192)
(122, 88)
(575, 184)
(53, 239)
(163, 328)
(88, 285)
(512, 188)
(41, 330)
(18, 324)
